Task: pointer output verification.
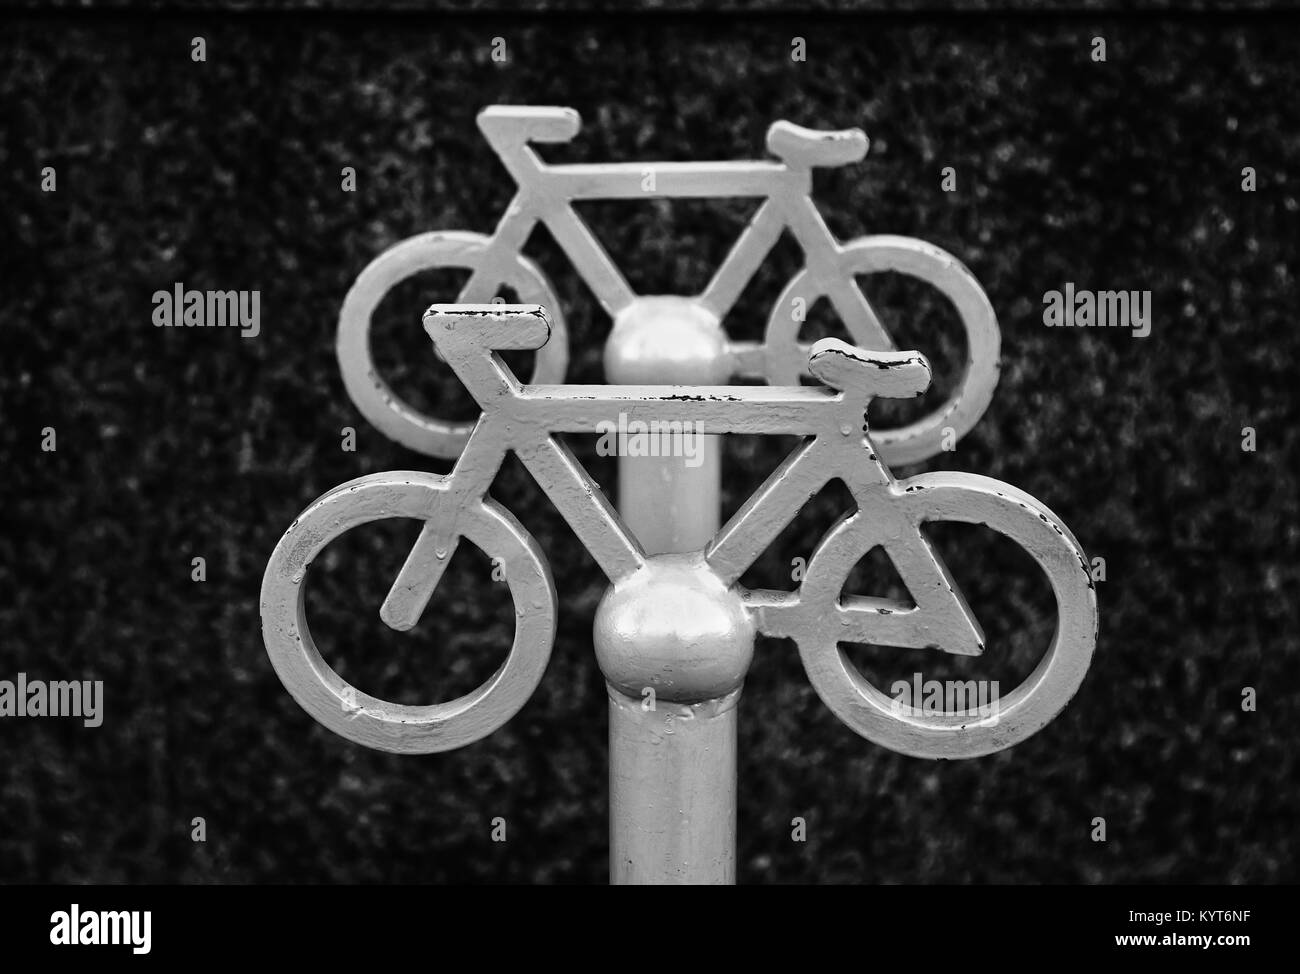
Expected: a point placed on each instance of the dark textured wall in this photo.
(173, 444)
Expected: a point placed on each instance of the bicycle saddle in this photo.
(814, 147)
(889, 375)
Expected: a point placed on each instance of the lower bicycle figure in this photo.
(832, 419)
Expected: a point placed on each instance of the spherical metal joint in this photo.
(665, 339)
(674, 628)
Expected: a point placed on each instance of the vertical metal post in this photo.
(672, 747)
(672, 791)
(672, 506)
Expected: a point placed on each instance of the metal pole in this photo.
(674, 649)
(671, 503)
(672, 791)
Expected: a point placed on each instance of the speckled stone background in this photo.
(181, 443)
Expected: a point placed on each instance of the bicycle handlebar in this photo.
(517, 124)
(495, 327)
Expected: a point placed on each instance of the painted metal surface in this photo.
(546, 196)
(672, 747)
(836, 444)
(672, 791)
(674, 633)
(669, 505)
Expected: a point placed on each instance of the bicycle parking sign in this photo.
(675, 621)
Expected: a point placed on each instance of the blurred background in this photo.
(183, 443)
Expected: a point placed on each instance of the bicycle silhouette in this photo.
(546, 194)
(836, 444)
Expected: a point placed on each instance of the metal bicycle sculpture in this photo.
(546, 194)
(523, 419)
(675, 624)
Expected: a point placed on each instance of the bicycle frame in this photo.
(547, 192)
(523, 418)
(704, 678)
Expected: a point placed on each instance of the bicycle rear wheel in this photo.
(454, 249)
(369, 720)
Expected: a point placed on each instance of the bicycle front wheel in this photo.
(785, 358)
(974, 500)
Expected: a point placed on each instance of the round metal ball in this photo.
(676, 628)
(665, 339)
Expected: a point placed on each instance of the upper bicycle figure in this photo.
(546, 194)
